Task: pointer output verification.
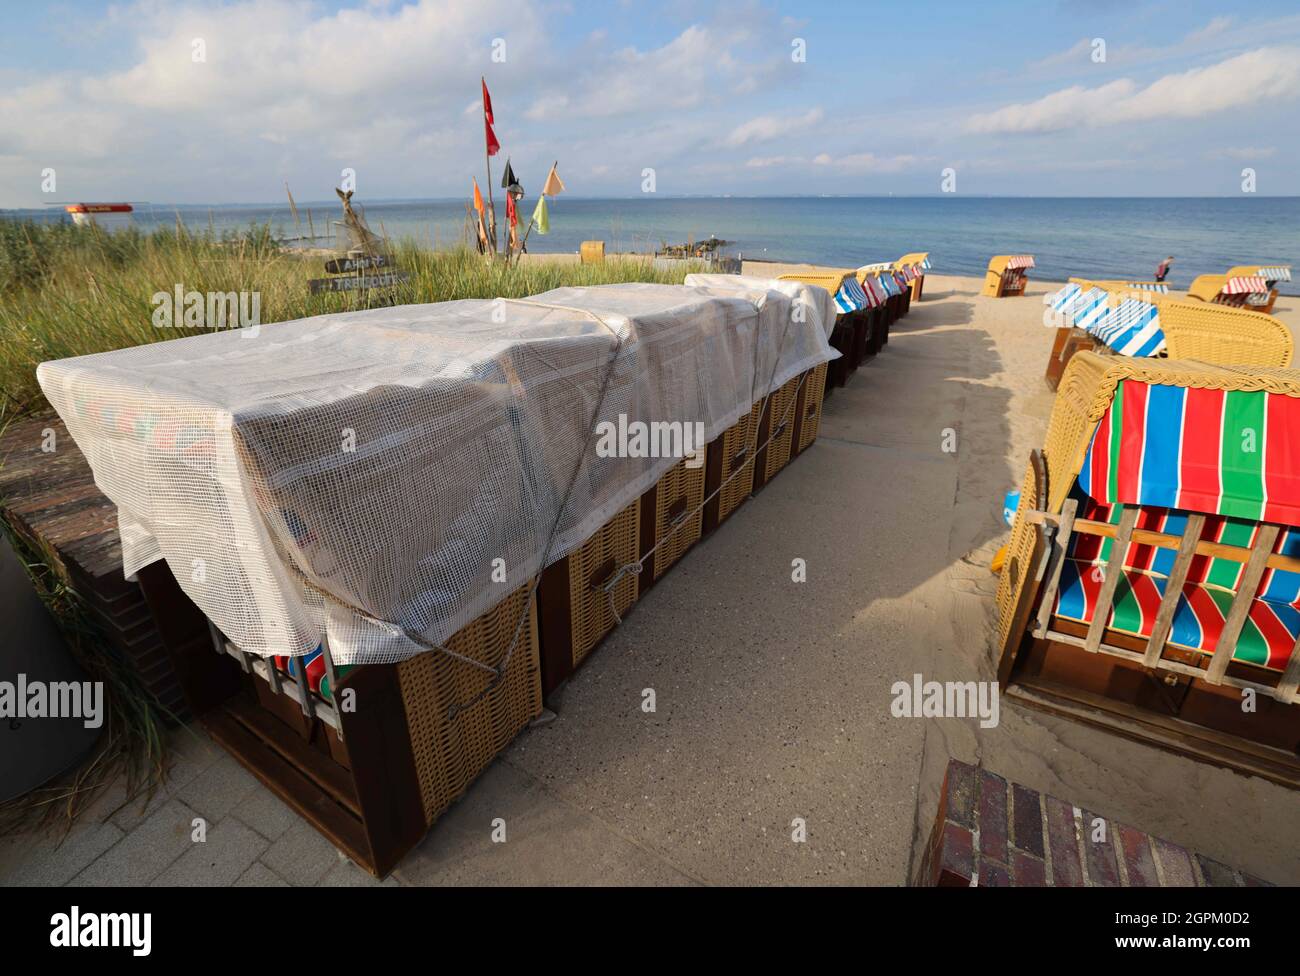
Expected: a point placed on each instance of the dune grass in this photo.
(69, 291)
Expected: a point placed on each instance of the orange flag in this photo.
(478, 199)
(554, 185)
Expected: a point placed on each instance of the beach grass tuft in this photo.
(70, 291)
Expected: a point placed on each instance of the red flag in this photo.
(493, 147)
(511, 215)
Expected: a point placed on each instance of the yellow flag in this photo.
(540, 216)
(554, 185)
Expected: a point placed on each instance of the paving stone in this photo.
(1027, 821)
(218, 789)
(146, 851)
(1103, 868)
(960, 805)
(1141, 866)
(1215, 873)
(993, 816)
(1029, 871)
(345, 874)
(1066, 869)
(301, 855)
(266, 813)
(259, 875)
(1175, 863)
(219, 861)
(29, 859)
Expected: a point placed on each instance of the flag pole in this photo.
(487, 159)
(524, 242)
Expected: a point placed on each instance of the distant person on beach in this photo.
(1164, 267)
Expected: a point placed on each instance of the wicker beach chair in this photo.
(372, 778)
(1152, 580)
(914, 266)
(1245, 286)
(1127, 319)
(851, 335)
(883, 288)
(1007, 275)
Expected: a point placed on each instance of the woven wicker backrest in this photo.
(1020, 556)
(998, 263)
(1207, 287)
(1223, 334)
(830, 280)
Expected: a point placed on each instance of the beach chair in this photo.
(851, 335)
(592, 252)
(1006, 275)
(914, 266)
(1152, 581)
(1118, 318)
(374, 778)
(1247, 286)
(1271, 275)
(879, 279)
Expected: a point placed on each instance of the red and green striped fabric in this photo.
(1221, 453)
(1266, 638)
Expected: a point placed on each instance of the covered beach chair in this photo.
(851, 334)
(914, 266)
(1108, 317)
(881, 280)
(1251, 286)
(1152, 580)
(1006, 275)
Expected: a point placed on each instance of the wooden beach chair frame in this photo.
(1001, 280)
(1146, 689)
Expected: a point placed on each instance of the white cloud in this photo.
(1255, 78)
(1242, 152)
(767, 127)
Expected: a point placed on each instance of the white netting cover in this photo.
(353, 477)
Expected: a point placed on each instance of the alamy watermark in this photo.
(657, 439)
(946, 699)
(23, 699)
(181, 309)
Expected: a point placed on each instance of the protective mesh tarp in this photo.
(359, 477)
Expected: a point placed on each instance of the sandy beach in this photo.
(773, 697)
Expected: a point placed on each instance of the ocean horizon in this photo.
(1102, 237)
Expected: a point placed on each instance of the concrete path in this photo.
(772, 696)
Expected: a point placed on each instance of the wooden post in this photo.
(1114, 570)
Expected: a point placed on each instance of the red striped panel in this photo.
(1148, 599)
(1199, 479)
(1282, 460)
(1132, 434)
(1207, 615)
(1275, 634)
(1100, 466)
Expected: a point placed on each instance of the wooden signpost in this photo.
(365, 254)
(351, 282)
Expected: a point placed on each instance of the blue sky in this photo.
(1013, 98)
